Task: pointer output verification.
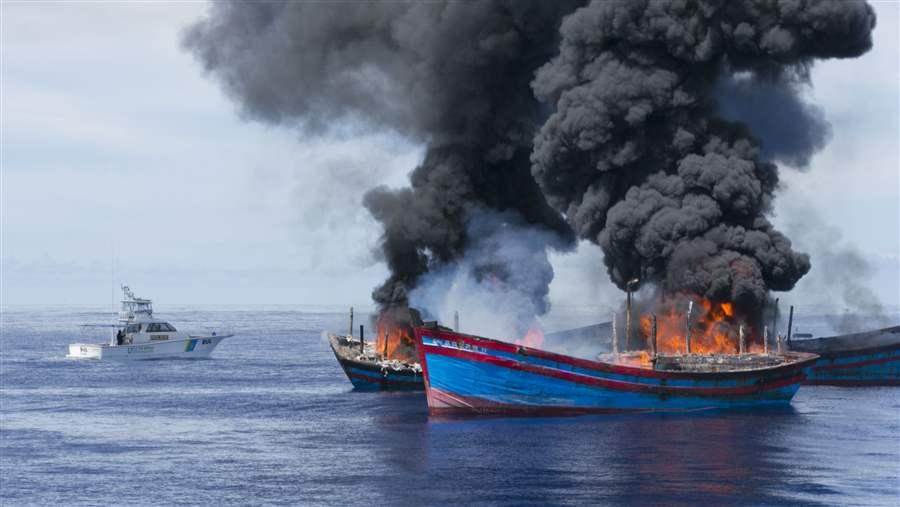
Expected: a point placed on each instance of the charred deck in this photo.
(717, 362)
(699, 363)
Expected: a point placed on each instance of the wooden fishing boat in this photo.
(861, 359)
(471, 374)
(368, 371)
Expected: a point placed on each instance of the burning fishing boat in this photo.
(648, 138)
(465, 373)
(870, 358)
(390, 363)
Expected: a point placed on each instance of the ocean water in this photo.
(271, 419)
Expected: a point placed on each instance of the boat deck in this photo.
(719, 362)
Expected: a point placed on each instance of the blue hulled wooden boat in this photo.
(861, 359)
(472, 374)
(368, 371)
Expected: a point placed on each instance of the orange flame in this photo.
(715, 328)
(395, 340)
(534, 338)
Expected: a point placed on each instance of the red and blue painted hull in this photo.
(862, 359)
(470, 374)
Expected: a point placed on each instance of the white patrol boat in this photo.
(140, 336)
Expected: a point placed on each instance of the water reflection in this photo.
(718, 457)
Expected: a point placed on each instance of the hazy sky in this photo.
(122, 162)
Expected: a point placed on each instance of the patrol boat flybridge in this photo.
(141, 336)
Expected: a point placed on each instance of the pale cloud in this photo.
(116, 149)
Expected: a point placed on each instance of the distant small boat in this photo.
(476, 375)
(861, 359)
(141, 336)
(367, 371)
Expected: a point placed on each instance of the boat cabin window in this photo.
(133, 328)
(160, 327)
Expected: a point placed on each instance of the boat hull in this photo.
(862, 359)
(469, 374)
(370, 375)
(199, 347)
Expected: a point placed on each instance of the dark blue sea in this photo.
(271, 419)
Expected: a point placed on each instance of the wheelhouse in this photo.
(160, 327)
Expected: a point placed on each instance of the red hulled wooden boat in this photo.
(861, 359)
(474, 375)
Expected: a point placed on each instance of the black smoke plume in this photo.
(454, 75)
(650, 128)
(655, 150)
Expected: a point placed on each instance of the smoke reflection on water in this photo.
(272, 419)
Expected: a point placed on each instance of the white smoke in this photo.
(498, 287)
